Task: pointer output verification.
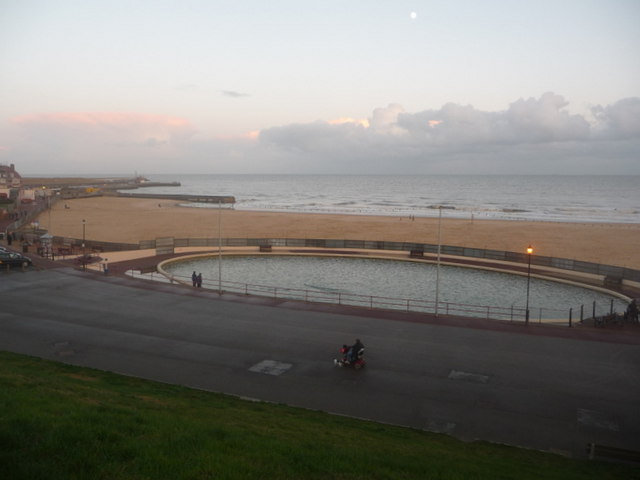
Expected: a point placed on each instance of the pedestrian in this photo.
(194, 279)
(632, 311)
(199, 280)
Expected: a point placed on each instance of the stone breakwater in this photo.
(225, 199)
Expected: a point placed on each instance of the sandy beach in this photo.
(129, 220)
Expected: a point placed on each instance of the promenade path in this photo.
(541, 387)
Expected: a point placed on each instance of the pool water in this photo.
(400, 279)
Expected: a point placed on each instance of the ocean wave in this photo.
(571, 199)
(351, 208)
(443, 207)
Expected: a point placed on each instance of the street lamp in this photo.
(529, 252)
(49, 207)
(84, 256)
(438, 261)
(220, 246)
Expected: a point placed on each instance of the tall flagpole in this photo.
(438, 264)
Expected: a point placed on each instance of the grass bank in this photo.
(63, 422)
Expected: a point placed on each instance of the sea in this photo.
(560, 198)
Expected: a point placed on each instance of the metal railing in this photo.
(31, 212)
(621, 273)
(618, 274)
(513, 313)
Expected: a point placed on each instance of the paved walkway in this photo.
(548, 388)
(124, 261)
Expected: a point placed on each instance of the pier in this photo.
(81, 187)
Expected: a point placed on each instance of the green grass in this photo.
(63, 422)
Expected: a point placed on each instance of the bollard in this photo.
(570, 315)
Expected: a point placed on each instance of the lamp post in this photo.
(49, 208)
(529, 252)
(438, 261)
(84, 256)
(220, 247)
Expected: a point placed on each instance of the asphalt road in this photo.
(537, 391)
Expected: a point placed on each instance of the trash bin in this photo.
(25, 248)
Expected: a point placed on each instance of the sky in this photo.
(330, 87)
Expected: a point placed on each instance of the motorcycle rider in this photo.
(352, 354)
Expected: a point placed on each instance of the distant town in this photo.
(22, 199)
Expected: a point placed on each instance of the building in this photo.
(9, 178)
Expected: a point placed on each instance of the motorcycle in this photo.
(358, 362)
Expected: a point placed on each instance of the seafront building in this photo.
(9, 178)
(13, 196)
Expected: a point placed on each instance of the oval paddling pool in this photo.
(345, 277)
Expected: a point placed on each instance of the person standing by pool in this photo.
(632, 311)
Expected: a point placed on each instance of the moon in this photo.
(413, 15)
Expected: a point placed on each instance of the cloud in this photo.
(385, 120)
(533, 136)
(314, 137)
(343, 120)
(545, 120)
(532, 133)
(232, 94)
(106, 128)
(525, 121)
(97, 141)
(451, 127)
(618, 121)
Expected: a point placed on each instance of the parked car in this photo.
(14, 259)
